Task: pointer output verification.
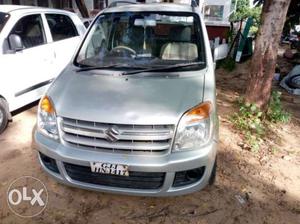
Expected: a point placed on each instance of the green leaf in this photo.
(253, 108)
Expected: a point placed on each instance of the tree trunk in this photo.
(82, 8)
(264, 59)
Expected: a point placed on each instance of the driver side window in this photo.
(30, 29)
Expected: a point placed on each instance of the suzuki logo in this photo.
(112, 133)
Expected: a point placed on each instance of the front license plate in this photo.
(108, 168)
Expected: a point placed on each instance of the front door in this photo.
(29, 69)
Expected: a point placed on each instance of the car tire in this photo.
(213, 174)
(3, 115)
(294, 82)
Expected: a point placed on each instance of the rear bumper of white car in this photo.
(157, 175)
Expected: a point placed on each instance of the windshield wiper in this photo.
(88, 68)
(164, 68)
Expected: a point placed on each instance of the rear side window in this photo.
(3, 18)
(61, 26)
(30, 29)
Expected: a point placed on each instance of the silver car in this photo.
(135, 112)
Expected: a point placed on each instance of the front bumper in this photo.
(169, 163)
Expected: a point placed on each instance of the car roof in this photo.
(158, 7)
(25, 8)
(8, 8)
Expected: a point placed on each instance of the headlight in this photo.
(46, 122)
(195, 128)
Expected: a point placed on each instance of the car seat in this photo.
(180, 47)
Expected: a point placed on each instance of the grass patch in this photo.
(254, 124)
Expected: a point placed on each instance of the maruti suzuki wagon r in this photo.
(135, 112)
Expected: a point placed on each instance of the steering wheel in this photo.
(120, 47)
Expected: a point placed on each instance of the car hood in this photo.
(104, 96)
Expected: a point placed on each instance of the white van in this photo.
(35, 45)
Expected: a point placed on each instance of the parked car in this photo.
(36, 45)
(135, 112)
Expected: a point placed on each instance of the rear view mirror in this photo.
(15, 42)
(220, 52)
(144, 22)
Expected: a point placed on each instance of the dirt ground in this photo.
(268, 182)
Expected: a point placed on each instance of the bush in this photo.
(275, 113)
(249, 121)
(253, 123)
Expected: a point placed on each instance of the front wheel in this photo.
(3, 115)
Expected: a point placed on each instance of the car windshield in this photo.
(143, 39)
(3, 18)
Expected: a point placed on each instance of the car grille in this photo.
(135, 180)
(117, 137)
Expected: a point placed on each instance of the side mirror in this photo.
(15, 42)
(220, 52)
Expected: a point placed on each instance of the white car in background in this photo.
(35, 46)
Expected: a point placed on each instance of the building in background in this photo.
(216, 15)
(93, 6)
(216, 12)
